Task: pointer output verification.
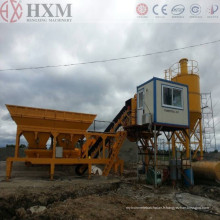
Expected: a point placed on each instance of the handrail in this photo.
(175, 69)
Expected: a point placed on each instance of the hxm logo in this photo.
(11, 11)
(48, 10)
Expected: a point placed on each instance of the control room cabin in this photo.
(163, 102)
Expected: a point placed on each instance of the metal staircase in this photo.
(114, 155)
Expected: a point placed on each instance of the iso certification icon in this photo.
(142, 9)
(195, 9)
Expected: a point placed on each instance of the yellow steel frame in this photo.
(180, 138)
(37, 137)
(103, 159)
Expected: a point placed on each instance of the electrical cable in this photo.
(112, 59)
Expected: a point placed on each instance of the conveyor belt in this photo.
(81, 169)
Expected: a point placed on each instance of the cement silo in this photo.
(186, 72)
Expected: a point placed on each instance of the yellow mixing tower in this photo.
(186, 72)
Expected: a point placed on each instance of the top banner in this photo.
(87, 11)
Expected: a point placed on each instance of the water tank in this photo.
(207, 170)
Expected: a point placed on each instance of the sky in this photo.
(100, 88)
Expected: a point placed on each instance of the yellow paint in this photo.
(184, 67)
(134, 110)
(65, 129)
(36, 117)
(207, 169)
(193, 81)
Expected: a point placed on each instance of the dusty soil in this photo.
(33, 196)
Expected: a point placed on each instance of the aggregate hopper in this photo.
(39, 125)
(70, 144)
(47, 118)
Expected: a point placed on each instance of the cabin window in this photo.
(172, 97)
(140, 99)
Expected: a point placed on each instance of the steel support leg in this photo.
(89, 170)
(52, 167)
(8, 169)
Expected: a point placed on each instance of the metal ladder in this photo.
(115, 152)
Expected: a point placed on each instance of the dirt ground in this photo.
(31, 195)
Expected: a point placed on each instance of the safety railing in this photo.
(175, 69)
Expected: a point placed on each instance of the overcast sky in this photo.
(100, 88)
